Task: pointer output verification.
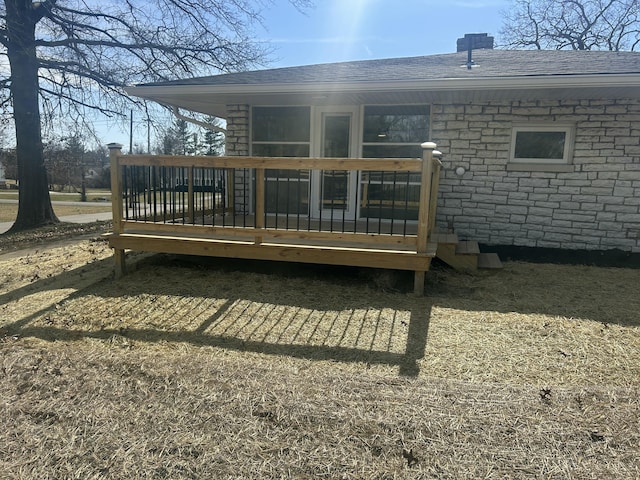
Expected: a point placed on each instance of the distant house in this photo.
(540, 148)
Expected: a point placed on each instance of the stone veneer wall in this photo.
(595, 206)
(237, 144)
(237, 138)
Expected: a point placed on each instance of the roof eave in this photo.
(443, 84)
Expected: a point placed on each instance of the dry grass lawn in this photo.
(8, 211)
(218, 369)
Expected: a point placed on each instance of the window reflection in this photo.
(396, 124)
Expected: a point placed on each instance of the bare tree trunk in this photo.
(34, 208)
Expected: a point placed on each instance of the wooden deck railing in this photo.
(231, 206)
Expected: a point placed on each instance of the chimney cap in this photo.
(474, 41)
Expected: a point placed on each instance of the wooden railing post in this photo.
(424, 209)
(115, 150)
(435, 185)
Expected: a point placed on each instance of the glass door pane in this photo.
(335, 184)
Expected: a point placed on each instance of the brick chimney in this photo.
(475, 41)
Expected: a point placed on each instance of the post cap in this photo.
(116, 146)
(429, 145)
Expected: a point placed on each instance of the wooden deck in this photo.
(373, 243)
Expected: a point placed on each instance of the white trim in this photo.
(441, 84)
(540, 167)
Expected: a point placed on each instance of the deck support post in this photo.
(424, 210)
(115, 150)
(119, 257)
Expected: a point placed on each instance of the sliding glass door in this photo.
(334, 191)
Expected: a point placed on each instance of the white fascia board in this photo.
(445, 84)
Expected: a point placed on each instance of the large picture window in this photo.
(542, 144)
(283, 132)
(392, 131)
(281, 125)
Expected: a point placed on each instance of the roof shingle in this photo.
(487, 64)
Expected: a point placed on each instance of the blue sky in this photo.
(341, 30)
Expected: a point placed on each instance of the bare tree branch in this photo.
(138, 41)
(572, 24)
(71, 58)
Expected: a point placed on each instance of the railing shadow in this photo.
(311, 312)
(43, 289)
(199, 308)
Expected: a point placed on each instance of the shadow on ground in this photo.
(303, 311)
(300, 311)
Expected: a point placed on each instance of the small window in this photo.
(542, 144)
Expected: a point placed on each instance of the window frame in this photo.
(569, 141)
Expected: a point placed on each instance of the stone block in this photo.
(512, 210)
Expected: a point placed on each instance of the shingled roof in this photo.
(487, 63)
(495, 75)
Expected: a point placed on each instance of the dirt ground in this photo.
(199, 368)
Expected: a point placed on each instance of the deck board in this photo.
(332, 254)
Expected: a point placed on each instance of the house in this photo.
(540, 148)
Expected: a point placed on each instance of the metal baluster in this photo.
(184, 193)
(368, 201)
(406, 205)
(332, 204)
(277, 204)
(393, 200)
(125, 186)
(154, 190)
(381, 202)
(174, 193)
(346, 198)
(147, 186)
(287, 200)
